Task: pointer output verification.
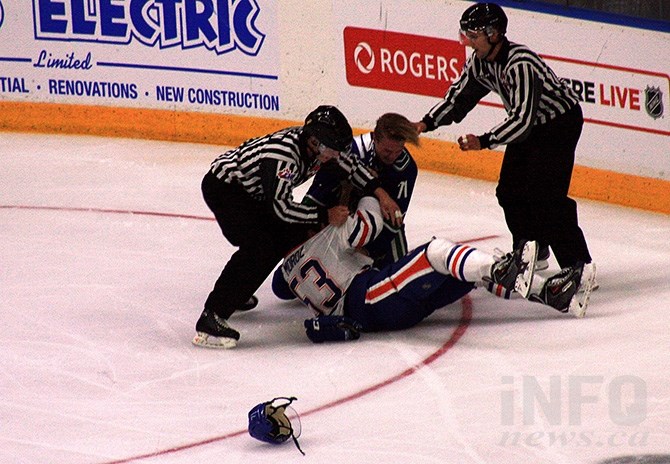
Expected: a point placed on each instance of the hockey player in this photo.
(348, 296)
(383, 151)
(541, 131)
(250, 191)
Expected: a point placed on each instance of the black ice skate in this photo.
(569, 290)
(516, 269)
(214, 332)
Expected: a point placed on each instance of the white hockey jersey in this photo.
(320, 270)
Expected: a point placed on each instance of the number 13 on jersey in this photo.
(314, 288)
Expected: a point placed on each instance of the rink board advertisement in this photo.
(398, 57)
(220, 71)
(205, 55)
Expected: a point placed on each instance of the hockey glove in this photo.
(332, 329)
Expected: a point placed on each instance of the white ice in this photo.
(99, 297)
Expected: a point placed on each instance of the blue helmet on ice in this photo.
(269, 422)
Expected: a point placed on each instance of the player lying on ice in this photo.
(331, 276)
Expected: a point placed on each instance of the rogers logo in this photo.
(368, 55)
(401, 62)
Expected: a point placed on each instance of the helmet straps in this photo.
(289, 401)
(493, 45)
(297, 445)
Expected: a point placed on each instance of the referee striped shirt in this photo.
(530, 91)
(268, 168)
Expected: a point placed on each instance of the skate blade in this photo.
(528, 260)
(210, 341)
(580, 300)
(596, 286)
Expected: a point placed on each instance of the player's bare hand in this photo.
(469, 142)
(419, 126)
(390, 209)
(337, 215)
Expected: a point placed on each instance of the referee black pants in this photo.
(262, 240)
(533, 188)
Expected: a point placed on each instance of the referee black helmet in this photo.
(330, 126)
(487, 17)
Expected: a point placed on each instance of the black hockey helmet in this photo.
(485, 17)
(330, 126)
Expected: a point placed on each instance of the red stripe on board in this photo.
(614, 68)
(607, 66)
(599, 122)
(626, 126)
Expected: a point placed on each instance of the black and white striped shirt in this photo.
(530, 91)
(268, 168)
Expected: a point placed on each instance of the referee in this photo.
(250, 191)
(543, 125)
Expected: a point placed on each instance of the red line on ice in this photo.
(463, 324)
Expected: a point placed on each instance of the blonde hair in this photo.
(396, 127)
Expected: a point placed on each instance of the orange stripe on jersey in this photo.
(416, 268)
(365, 230)
(455, 261)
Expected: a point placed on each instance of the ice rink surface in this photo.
(107, 253)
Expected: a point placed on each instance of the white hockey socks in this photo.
(463, 262)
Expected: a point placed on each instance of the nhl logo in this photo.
(653, 101)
